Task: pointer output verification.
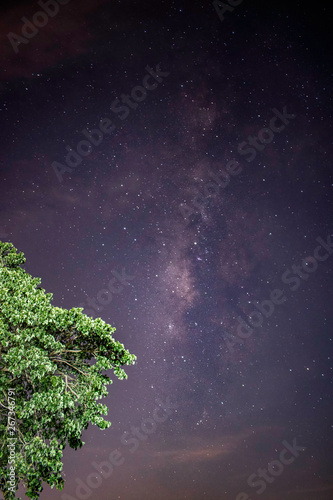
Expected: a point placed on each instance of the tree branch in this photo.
(74, 368)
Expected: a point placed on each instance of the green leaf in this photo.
(45, 356)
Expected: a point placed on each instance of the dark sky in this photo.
(209, 194)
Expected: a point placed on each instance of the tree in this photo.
(53, 365)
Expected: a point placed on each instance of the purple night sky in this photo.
(168, 167)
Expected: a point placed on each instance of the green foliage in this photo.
(55, 360)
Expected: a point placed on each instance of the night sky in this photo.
(168, 167)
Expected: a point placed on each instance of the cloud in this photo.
(194, 449)
(65, 35)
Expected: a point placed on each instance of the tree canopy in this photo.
(53, 369)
